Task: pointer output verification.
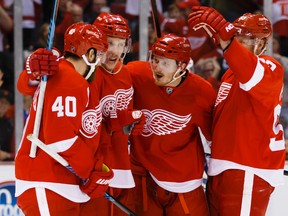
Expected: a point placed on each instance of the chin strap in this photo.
(92, 66)
(178, 71)
(256, 47)
(112, 71)
(263, 50)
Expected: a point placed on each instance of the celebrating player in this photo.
(116, 92)
(248, 148)
(168, 157)
(70, 127)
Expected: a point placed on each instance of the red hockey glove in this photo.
(213, 23)
(131, 121)
(128, 120)
(42, 62)
(136, 128)
(98, 182)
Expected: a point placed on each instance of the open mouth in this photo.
(158, 75)
(112, 60)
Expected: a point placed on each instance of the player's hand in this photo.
(42, 62)
(99, 180)
(128, 120)
(213, 23)
(127, 117)
(132, 121)
(136, 128)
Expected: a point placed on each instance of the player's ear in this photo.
(263, 43)
(91, 55)
(183, 66)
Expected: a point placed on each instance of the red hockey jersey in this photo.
(246, 132)
(170, 146)
(70, 125)
(116, 93)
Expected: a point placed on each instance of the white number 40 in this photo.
(68, 105)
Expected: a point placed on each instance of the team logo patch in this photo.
(223, 92)
(109, 107)
(91, 120)
(169, 90)
(118, 101)
(161, 122)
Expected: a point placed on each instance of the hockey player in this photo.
(248, 148)
(70, 126)
(116, 92)
(168, 157)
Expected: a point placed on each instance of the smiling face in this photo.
(163, 70)
(116, 47)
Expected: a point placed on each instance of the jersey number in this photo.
(67, 106)
(276, 145)
(269, 63)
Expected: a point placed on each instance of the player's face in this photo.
(115, 49)
(163, 69)
(249, 43)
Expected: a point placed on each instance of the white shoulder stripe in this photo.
(255, 79)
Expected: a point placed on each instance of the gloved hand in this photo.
(128, 120)
(99, 180)
(42, 62)
(131, 121)
(213, 23)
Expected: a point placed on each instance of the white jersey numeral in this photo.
(69, 104)
(269, 63)
(276, 145)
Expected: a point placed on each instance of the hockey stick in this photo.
(43, 81)
(64, 163)
(155, 18)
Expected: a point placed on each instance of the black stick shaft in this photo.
(155, 18)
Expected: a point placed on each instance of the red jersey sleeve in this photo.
(259, 72)
(23, 84)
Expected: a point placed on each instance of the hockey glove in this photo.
(98, 182)
(42, 62)
(138, 126)
(213, 23)
(128, 120)
(131, 121)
